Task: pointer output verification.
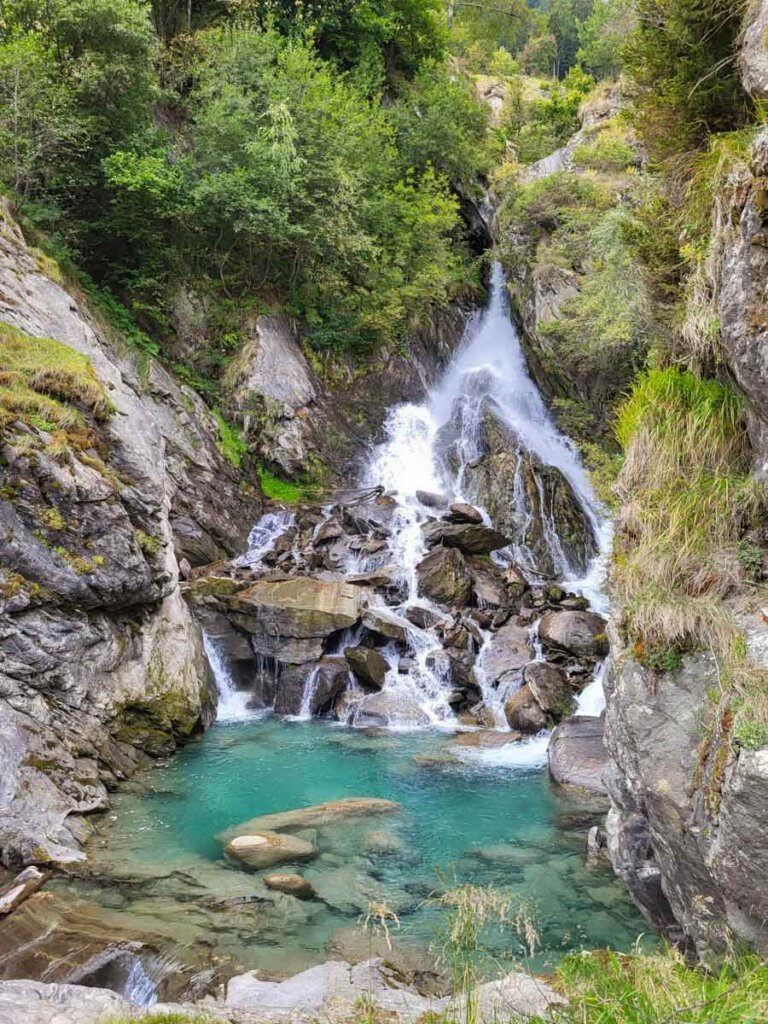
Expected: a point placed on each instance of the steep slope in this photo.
(109, 477)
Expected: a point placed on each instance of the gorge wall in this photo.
(688, 826)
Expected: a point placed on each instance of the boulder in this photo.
(432, 500)
(289, 619)
(581, 634)
(577, 756)
(550, 686)
(326, 680)
(265, 849)
(383, 577)
(367, 666)
(502, 660)
(488, 583)
(35, 1002)
(461, 512)
(315, 816)
(523, 712)
(470, 538)
(381, 842)
(386, 709)
(291, 885)
(386, 624)
(444, 578)
(423, 618)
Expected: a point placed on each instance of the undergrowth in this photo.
(47, 385)
(284, 490)
(689, 498)
(659, 988)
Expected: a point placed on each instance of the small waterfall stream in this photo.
(430, 447)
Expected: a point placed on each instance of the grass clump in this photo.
(230, 443)
(284, 490)
(608, 150)
(659, 988)
(689, 498)
(47, 384)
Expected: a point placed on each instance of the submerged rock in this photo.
(291, 885)
(313, 817)
(265, 849)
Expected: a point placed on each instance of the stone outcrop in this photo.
(577, 754)
(444, 578)
(581, 634)
(101, 662)
(753, 56)
(302, 421)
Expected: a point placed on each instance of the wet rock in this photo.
(550, 687)
(382, 577)
(386, 624)
(444, 577)
(326, 681)
(328, 531)
(581, 634)
(523, 712)
(461, 512)
(488, 583)
(515, 582)
(265, 849)
(383, 843)
(23, 885)
(469, 538)
(431, 500)
(317, 816)
(367, 665)
(505, 656)
(487, 738)
(290, 619)
(577, 756)
(522, 496)
(388, 709)
(291, 885)
(423, 619)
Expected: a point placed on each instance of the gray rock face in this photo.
(507, 653)
(32, 1002)
(577, 754)
(367, 665)
(101, 663)
(688, 832)
(754, 52)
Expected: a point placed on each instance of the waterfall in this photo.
(488, 368)
(233, 703)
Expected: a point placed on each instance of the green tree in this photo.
(682, 61)
(602, 36)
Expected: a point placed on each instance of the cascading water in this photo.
(487, 372)
(489, 369)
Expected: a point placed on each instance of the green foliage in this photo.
(45, 380)
(602, 35)
(607, 150)
(682, 61)
(659, 988)
(291, 493)
(231, 444)
(542, 126)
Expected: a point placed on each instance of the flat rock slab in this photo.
(577, 755)
(313, 817)
(470, 538)
(32, 1002)
(386, 624)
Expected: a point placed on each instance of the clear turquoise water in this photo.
(461, 822)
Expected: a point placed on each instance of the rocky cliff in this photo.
(110, 476)
(688, 829)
